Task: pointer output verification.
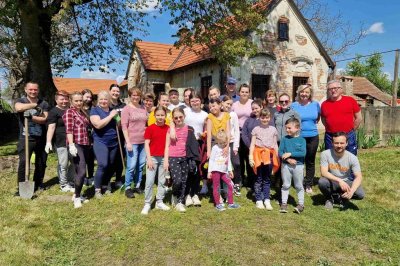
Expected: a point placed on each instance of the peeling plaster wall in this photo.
(283, 60)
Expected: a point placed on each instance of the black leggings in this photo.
(311, 151)
(237, 178)
(178, 168)
(245, 165)
(80, 167)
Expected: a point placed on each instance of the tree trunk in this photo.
(36, 36)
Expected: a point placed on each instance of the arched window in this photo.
(283, 29)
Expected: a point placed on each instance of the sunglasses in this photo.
(284, 102)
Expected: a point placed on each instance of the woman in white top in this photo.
(196, 118)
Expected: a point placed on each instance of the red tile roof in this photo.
(362, 86)
(78, 84)
(165, 57)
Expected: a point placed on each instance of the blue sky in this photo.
(380, 17)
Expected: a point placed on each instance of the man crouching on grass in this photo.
(341, 173)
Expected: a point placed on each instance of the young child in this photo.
(263, 157)
(292, 150)
(233, 143)
(154, 144)
(219, 167)
(176, 157)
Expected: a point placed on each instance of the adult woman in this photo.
(186, 96)
(196, 118)
(87, 106)
(270, 103)
(76, 128)
(285, 112)
(105, 143)
(56, 135)
(243, 110)
(309, 112)
(133, 122)
(117, 104)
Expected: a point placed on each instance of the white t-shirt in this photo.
(218, 162)
(195, 120)
(235, 131)
(173, 106)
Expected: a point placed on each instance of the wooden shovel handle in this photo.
(26, 149)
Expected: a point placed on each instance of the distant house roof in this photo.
(363, 87)
(78, 84)
(166, 57)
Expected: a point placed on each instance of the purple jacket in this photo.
(248, 126)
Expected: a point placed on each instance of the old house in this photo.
(289, 54)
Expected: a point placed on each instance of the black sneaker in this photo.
(129, 193)
(138, 190)
(283, 208)
(299, 209)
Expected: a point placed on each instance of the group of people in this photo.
(228, 142)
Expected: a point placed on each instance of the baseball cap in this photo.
(231, 80)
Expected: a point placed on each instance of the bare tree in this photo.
(335, 32)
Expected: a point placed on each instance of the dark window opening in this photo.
(297, 81)
(283, 31)
(157, 89)
(205, 84)
(259, 85)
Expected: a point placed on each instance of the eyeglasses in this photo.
(286, 102)
(334, 88)
(178, 117)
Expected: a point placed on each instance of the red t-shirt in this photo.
(157, 136)
(339, 115)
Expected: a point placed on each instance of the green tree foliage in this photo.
(370, 68)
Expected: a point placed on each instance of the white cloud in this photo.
(86, 74)
(340, 71)
(148, 6)
(377, 27)
(389, 75)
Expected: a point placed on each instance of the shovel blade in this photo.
(26, 189)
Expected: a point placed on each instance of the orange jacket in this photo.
(263, 156)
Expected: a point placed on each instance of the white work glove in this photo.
(251, 161)
(73, 150)
(48, 147)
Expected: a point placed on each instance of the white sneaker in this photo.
(161, 206)
(146, 209)
(188, 201)
(65, 188)
(268, 206)
(174, 200)
(71, 189)
(77, 203)
(259, 204)
(196, 201)
(180, 207)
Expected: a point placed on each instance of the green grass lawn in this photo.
(111, 231)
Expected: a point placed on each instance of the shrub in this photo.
(366, 142)
(393, 141)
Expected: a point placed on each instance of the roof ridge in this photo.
(177, 58)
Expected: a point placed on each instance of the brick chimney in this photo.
(347, 85)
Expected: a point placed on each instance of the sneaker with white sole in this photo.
(97, 193)
(220, 207)
(259, 204)
(180, 207)
(77, 203)
(196, 201)
(146, 209)
(329, 205)
(65, 188)
(309, 191)
(283, 208)
(161, 206)
(268, 206)
(204, 190)
(299, 209)
(236, 190)
(188, 201)
(233, 206)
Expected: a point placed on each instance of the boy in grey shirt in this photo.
(341, 173)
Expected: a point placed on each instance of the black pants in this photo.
(193, 181)
(235, 160)
(80, 167)
(311, 151)
(90, 162)
(35, 145)
(178, 168)
(245, 166)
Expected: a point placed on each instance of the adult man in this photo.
(341, 173)
(230, 87)
(35, 110)
(340, 113)
(174, 100)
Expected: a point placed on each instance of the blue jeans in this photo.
(135, 161)
(105, 159)
(351, 142)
